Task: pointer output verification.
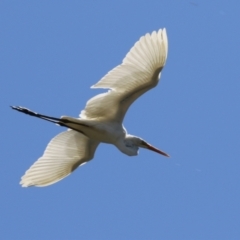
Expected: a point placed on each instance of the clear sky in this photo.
(51, 52)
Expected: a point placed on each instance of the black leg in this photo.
(60, 122)
(34, 114)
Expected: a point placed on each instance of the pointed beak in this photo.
(150, 147)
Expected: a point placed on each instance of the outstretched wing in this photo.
(65, 152)
(139, 72)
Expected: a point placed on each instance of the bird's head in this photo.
(132, 144)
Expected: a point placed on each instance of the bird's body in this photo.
(102, 118)
(102, 131)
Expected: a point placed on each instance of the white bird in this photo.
(101, 120)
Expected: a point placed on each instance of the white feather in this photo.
(139, 72)
(63, 155)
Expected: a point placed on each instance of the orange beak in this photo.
(150, 147)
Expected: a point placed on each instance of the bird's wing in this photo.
(63, 155)
(139, 72)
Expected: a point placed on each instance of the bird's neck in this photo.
(127, 146)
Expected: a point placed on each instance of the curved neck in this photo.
(128, 145)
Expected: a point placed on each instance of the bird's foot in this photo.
(24, 110)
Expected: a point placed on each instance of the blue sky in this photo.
(51, 52)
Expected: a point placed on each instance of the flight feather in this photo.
(139, 72)
(63, 155)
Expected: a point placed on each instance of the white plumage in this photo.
(64, 153)
(101, 120)
(138, 73)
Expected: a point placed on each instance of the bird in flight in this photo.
(102, 118)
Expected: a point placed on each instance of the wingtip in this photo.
(23, 185)
(165, 41)
(26, 183)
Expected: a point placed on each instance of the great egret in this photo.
(101, 120)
